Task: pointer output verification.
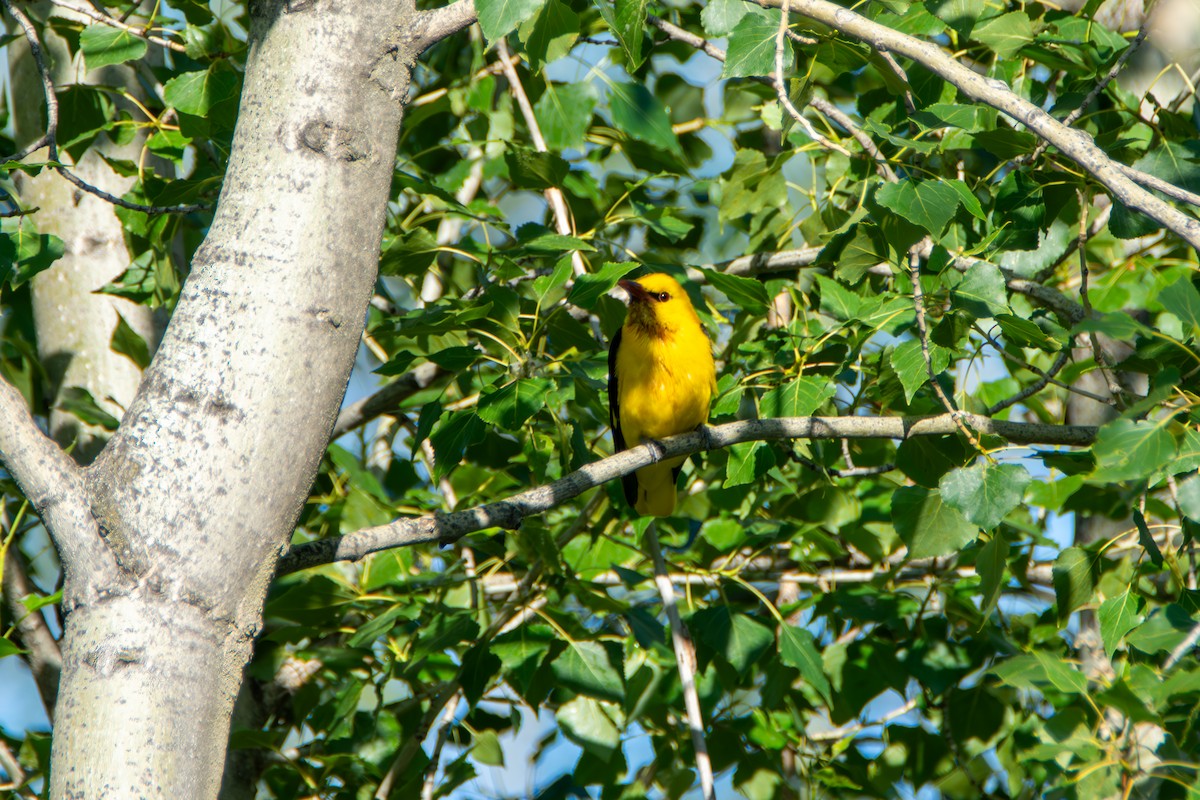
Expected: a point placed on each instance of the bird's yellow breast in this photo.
(666, 382)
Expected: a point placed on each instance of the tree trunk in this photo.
(198, 492)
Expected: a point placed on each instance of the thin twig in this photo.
(782, 94)
(854, 728)
(1159, 185)
(42, 651)
(448, 692)
(914, 271)
(1033, 388)
(436, 756)
(387, 399)
(554, 195)
(1183, 648)
(104, 19)
(11, 766)
(842, 118)
(899, 72)
(685, 659)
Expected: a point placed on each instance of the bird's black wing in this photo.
(628, 482)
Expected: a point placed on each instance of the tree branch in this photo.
(1074, 143)
(508, 513)
(685, 660)
(51, 481)
(387, 398)
(438, 23)
(44, 657)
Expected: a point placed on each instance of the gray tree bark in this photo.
(198, 492)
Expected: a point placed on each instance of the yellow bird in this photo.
(661, 378)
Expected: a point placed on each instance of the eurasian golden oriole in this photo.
(661, 378)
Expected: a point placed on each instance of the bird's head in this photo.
(659, 304)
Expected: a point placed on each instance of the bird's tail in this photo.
(656, 490)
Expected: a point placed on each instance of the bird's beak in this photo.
(636, 293)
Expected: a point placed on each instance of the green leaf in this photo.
(1189, 498)
(927, 525)
(7, 648)
(837, 301)
(986, 492)
(982, 292)
(25, 252)
(638, 113)
(1127, 450)
(1182, 300)
(590, 724)
(798, 650)
(737, 638)
(1066, 678)
(487, 749)
(1118, 616)
(751, 51)
(564, 112)
(511, 405)
(593, 668)
(662, 221)
(909, 363)
(990, 564)
(549, 35)
(453, 435)
(1075, 574)
(748, 461)
(748, 293)
(530, 169)
(627, 19)
(197, 92)
(1026, 333)
(969, 200)
(927, 204)
(1020, 208)
(799, 397)
(720, 17)
(498, 18)
(79, 401)
(588, 289)
(1163, 631)
(128, 342)
(1005, 34)
(102, 45)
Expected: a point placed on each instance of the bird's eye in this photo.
(662, 297)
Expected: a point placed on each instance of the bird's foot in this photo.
(706, 435)
(658, 451)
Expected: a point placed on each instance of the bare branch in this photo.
(782, 94)
(508, 513)
(51, 481)
(438, 23)
(43, 655)
(1074, 143)
(387, 398)
(685, 660)
(105, 19)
